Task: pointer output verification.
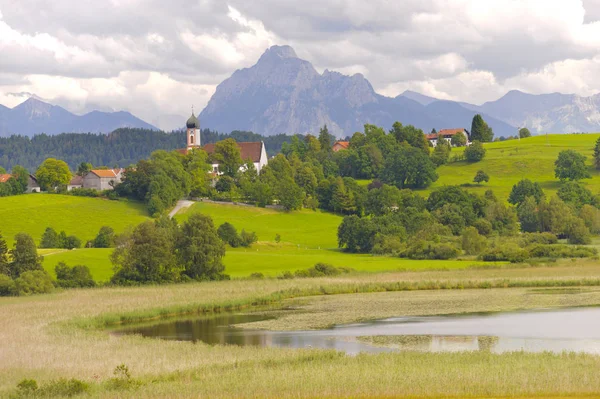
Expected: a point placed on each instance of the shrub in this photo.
(505, 253)
(73, 277)
(561, 251)
(247, 239)
(388, 244)
(85, 192)
(475, 152)
(34, 282)
(7, 286)
(421, 249)
(27, 387)
(320, 270)
(63, 388)
(537, 238)
(229, 235)
(277, 238)
(257, 276)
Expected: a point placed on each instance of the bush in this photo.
(475, 152)
(7, 286)
(34, 282)
(320, 270)
(561, 251)
(483, 226)
(247, 239)
(388, 244)
(257, 276)
(229, 235)
(86, 192)
(73, 277)
(537, 238)
(505, 253)
(421, 249)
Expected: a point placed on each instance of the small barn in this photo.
(103, 179)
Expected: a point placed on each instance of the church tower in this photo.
(193, 132)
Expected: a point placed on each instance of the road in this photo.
(180, 205)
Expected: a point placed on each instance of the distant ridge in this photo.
(35, 116)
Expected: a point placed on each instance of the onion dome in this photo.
(192, 122)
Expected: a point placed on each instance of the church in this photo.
(254, 151)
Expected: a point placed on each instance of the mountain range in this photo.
(35, 116)
(283, 93)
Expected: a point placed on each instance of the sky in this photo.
(157, 58)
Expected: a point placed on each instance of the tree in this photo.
(50, 239)
(410, 135)
(570, 165)
(290, 195)
(199, 249)
(577, 232)
(146, 255)
(527, 213)
(481, 176)
(475, 152)
(24, 256)
(53, 173)
(105, 237)
(73, 277)
(591, 217)
(524, 133)
(503, 219)
(576, 194)
(72, 242)
(472, 242)
(83, 168)
(227, 153)
(356, 234)
(326, 139)
(229, 235)
(21, 179)
(248, 238)
(597, 154)
(4, 263)
(458, 140)
(441, 153)
(480, 131)
(409, 167)
(523, 189)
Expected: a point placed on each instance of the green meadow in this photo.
(79, 216)
(507, 162)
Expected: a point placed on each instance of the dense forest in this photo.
(121, 148)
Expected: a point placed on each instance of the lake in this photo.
(573, 330)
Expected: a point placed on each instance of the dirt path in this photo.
(180, 205)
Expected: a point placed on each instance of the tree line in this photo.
(121, 148)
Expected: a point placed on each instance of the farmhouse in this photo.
(254, 151)
(4, 178)
(76, 182)
(340, 145)
(102, 179)
(446, 134)
(32, 185)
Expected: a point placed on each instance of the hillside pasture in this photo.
(79, 216)
(306, 228)
(507, 162)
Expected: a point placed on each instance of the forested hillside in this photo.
(121, 148)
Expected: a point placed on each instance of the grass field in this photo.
(79, 216)
(306, 228)
(508, 162)
(59, 336)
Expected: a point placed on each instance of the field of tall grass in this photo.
(64, 335)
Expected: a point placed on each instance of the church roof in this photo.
(248, 150)
(193, 122)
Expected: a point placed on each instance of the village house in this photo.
(102, 179)
(446, 134)
(32, 185)
(4, 178)
(340, 145)
(253, 151)
(76, 182)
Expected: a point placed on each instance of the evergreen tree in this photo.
(597, 154)
(480, 131)
(326, 139)
(4, 264)
(50, 239)
(24, 256)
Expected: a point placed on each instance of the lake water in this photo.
(576, 330)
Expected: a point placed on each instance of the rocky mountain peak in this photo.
(275, 53)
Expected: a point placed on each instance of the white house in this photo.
(446, 134)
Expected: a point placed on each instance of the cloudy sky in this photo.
(155, 58)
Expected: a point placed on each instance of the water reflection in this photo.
(576, 330)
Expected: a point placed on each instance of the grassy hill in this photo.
(80, 216)
(508, 162)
